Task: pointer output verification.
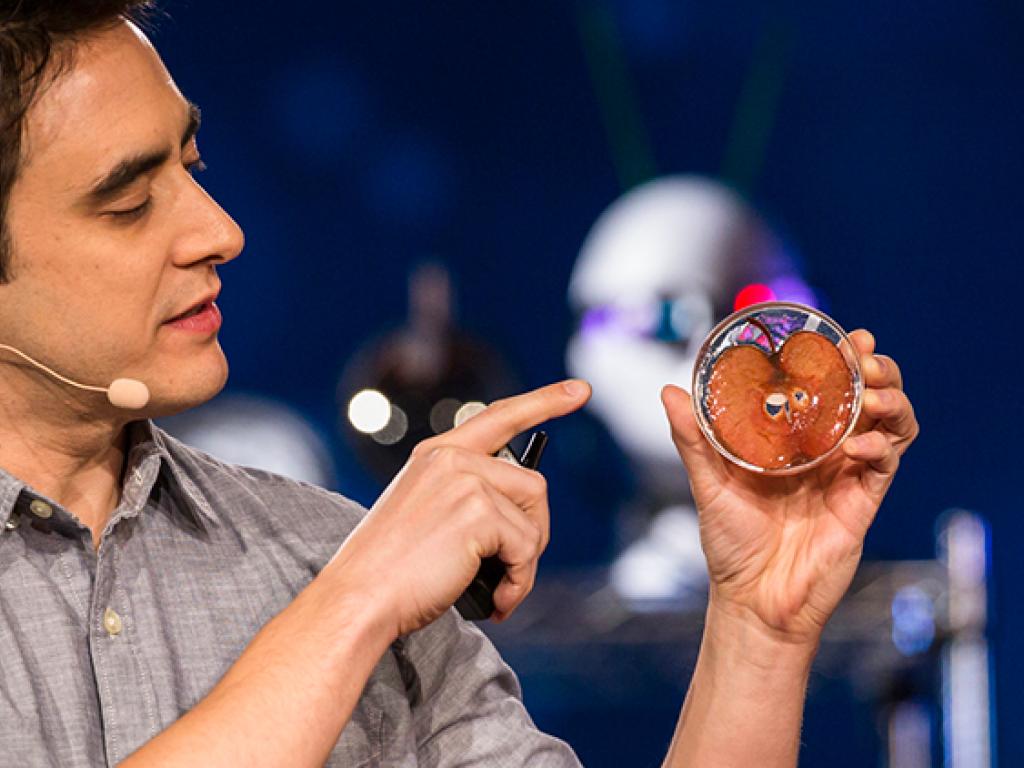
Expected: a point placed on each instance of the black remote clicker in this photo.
(477, 602)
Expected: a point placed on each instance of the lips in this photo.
(191, 313)
(194, 309)
(204, 322)
(200, 318)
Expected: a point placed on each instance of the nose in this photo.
(207, 232)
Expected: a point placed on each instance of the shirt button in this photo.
(13, 521)
(40, 508)
(112, 622)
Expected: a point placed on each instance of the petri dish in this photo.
(777, 387)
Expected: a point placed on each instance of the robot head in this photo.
(659, 268)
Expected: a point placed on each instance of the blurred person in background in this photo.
(159, 607)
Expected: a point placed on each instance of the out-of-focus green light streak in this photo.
(756, 108)
(627, 136)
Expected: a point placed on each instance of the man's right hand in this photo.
(452, 505)
(403, 566)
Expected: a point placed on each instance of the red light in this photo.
(754, 293)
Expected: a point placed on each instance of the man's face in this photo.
(112, 237)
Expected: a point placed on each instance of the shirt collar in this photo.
(150, 440)
(148, 462)
(10, 489)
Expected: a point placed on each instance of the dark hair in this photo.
(33, 49)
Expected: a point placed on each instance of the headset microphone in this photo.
(130, 394)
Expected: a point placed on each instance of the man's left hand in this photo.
(782, 551)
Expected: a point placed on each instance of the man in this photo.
(160, 608)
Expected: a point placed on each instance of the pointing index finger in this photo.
(492, 428)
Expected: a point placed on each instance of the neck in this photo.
(64, 446)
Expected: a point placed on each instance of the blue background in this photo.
(354, 141)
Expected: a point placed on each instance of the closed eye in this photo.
(132, 214)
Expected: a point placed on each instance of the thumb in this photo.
(703, 463)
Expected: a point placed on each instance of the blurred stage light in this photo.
(468, 411)
(394, 429)
(754, 293)
(964, 546)
(369, 411)
(442, 414)
(913, 621)
(910, 735)
(789, 288)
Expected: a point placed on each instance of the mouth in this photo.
(191, 313)
(202, 317)
(198, 308)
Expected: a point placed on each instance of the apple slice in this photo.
(781, 409)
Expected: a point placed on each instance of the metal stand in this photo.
(910, 636)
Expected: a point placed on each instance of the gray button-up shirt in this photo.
(101, 650)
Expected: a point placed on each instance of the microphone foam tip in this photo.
(129, 394)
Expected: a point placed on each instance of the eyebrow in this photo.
(131, 168)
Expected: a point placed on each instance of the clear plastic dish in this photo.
(777, 387)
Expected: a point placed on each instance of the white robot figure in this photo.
(659, 268)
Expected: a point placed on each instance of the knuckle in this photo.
(522, 581)
(892, 460)
(894, 405)
(905, 405)
(536, 540)
(471, 486)
(444, 456)
(507, 600)
(890, 402)
(874, 401)
(539, 484)
(527, 586)
(423, 448)
(891, 368)
(521, 553)
(475, 509)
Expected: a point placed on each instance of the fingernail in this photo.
(574, 387)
